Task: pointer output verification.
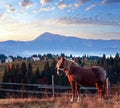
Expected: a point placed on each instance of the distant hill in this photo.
(54, 43)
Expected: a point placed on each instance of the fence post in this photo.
(53, 86)
(107, 86)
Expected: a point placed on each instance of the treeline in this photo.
(112, 66)
(23, 72)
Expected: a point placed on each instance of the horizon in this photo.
(67, 53)
(28, 48)
(59, 35)
(25, 20)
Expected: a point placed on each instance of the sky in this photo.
(91, 19)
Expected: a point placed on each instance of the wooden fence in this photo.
(37, 88)
(52, 90)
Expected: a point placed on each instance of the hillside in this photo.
(54, 43)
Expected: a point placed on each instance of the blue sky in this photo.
(27, 19)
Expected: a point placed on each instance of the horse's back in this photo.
(90, 75)
(86, 76)
(100, 73)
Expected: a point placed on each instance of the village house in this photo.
(8, 60)
(35, 58)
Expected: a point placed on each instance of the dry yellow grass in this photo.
(61, 102)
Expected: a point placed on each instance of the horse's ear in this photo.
(62, 56)
(58, 58)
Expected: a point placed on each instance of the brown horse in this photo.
(78, 75)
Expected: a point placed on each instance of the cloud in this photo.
(70, 20)
(44, 2)
(7, 5)
(26, 3)
(92, 6)
(47, 9)
(77, 3)
(11, 10)
(82, 1)
(100, 3)
(109, 1)
(61, 4)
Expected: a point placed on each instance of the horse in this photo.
(86, 76)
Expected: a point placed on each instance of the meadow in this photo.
(88, 101)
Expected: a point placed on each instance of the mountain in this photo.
(54, 43)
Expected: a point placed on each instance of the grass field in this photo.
(61, 102)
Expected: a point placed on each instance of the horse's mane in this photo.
(70, 63)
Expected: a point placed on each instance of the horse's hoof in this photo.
(71, 100)
(100, 99)
(78, 99)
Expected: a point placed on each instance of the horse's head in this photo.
(60, 66)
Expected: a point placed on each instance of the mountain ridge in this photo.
(55, 43)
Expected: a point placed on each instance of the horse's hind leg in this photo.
(99, 87)
(73, 91)
(78, 92)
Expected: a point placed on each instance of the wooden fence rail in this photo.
(43, 86)
(40, 89)
(25, 88)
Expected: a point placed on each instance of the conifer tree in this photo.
(47, 72)
(29, 73)
(37, 75)
(24, 72)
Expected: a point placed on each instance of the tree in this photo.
(117, 66)
(24, 72)
(37, 75)
(18, 73)
(47, 72)
(5, 78)
(2, 57)
(104, 61)
(53, 66)
(29, 73)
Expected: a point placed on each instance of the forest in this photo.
(33, 72)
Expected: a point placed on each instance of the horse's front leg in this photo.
(73, 91)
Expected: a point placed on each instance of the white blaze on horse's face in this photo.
(60, 66)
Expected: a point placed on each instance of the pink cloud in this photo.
(26, 3)
(62, 5)
(43, 2)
